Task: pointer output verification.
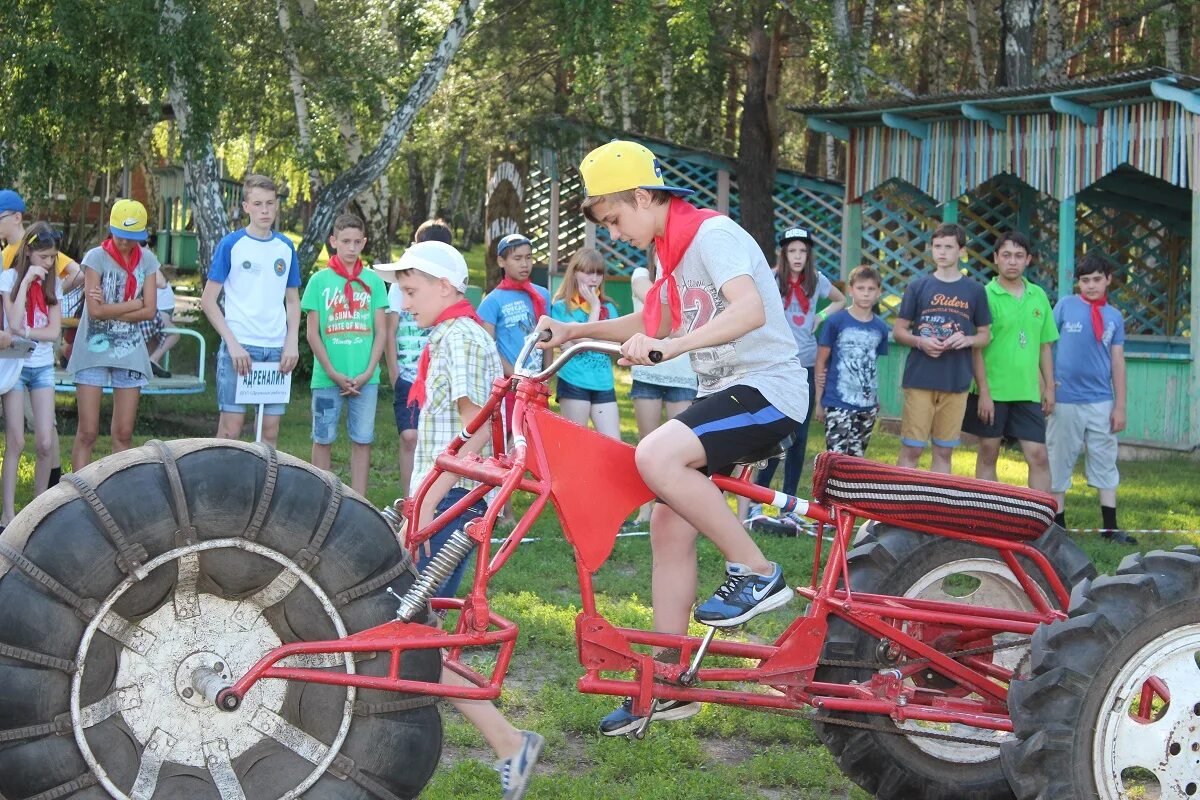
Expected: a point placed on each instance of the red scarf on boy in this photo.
(130, 266)
(35, 301)
(1097, 316)
(463, 308)
(796, 292)
(539, 302)
(351, 275)
(683, 220)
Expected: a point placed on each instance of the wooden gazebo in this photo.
(1109, 163)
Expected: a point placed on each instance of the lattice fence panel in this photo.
(898, 221)
(821, 214)
(1153, 281)
(537, 213)
(1005, 203)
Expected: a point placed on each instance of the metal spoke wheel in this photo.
(152, 576)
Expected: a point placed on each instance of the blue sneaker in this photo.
(743, 596)
(623, 721)
(516, 770)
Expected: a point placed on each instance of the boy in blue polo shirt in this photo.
(259, 273)
(1089, 373)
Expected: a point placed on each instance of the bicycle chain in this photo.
(875, 665)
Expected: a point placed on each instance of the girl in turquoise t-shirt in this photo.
(585, 383)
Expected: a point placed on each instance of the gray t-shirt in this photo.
(112, 342)
(765, 358)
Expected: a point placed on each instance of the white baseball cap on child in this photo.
(437, 259)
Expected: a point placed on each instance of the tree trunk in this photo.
(668, 93)
(731, 115)
(606, 112)
(626, 100)
(758, 142)
(201, 177)
(1055, 40)
(460, 178)
(1017, 40)
(362, 174)
(299, 99)
(435, 191)
(1173, 54)
(418, 200)
(976, 50)
(852, 63)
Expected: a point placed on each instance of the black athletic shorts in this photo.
(734, 423)
(1015, 419)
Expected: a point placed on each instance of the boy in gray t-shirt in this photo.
(720, 304)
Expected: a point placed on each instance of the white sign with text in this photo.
(263, 384)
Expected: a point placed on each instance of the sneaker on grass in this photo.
(754, 514)
(516, 770)
(743, 596)
(623, 721)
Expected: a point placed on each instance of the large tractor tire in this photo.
(1111, 708)
(121, 581)
(901, 764)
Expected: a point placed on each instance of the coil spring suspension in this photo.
(392, 514)
(434, 575)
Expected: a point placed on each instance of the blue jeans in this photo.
(227, 379)
(793, 458)
(449, 587)
(327, 402)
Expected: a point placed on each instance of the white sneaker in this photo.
(753, 514)
(800, 523)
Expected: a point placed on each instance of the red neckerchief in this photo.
(351, 275)
(578, 302)
(135, 257)
(795, 291)
(539, 302)
(463, 308)
(1097, 317)
(683, 220)
(35, 301)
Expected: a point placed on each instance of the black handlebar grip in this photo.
(655, 356)
(544, 336)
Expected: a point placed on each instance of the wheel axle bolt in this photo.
(187, 692)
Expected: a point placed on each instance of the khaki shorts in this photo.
(931, 415)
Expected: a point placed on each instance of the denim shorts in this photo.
(37, 377)
(449, 587)
(117, 377)
(227, 379)
(406, 416)
(327, 403)
(668, 394)
(569, 391)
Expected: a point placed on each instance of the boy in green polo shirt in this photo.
(1014, 373)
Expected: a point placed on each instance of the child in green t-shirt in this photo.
(345, 307)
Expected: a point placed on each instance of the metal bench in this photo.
(176, 384)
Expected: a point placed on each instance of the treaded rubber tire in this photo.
(890, 560)
(1056, 709)
(392, 748)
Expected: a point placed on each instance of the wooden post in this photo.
(1194, 311)
(723, 191)
(554, 199)
(1066, 245)
(851, 237)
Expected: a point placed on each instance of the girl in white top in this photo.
(32, 297)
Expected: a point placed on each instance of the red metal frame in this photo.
(543, 461)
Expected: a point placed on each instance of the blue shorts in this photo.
(227, 379)
(406, 416)
(734, 423)
(37, 377)
(449, 587)
(117, 377)
(327, 403)
(668, 394)
(569, 391)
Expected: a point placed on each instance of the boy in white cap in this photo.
(716, 299)
(454, 379)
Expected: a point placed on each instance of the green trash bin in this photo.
(162, 247)
(185, 248)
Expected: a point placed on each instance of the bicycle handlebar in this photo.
(588, 346)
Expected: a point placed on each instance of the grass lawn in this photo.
(768, 756)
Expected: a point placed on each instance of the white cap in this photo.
(433, 258)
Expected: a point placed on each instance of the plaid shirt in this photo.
(463, 362)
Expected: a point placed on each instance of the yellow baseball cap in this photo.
(127, 220)
(620, 166)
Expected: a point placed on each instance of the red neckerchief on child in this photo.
(1097, 317)
(135, 256)
(352, 276)
(35, 301)
(463, 308)
(578, 302)
(539, 302)
(683, 220)
(796, 291)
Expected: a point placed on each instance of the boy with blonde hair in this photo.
(716, 299)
